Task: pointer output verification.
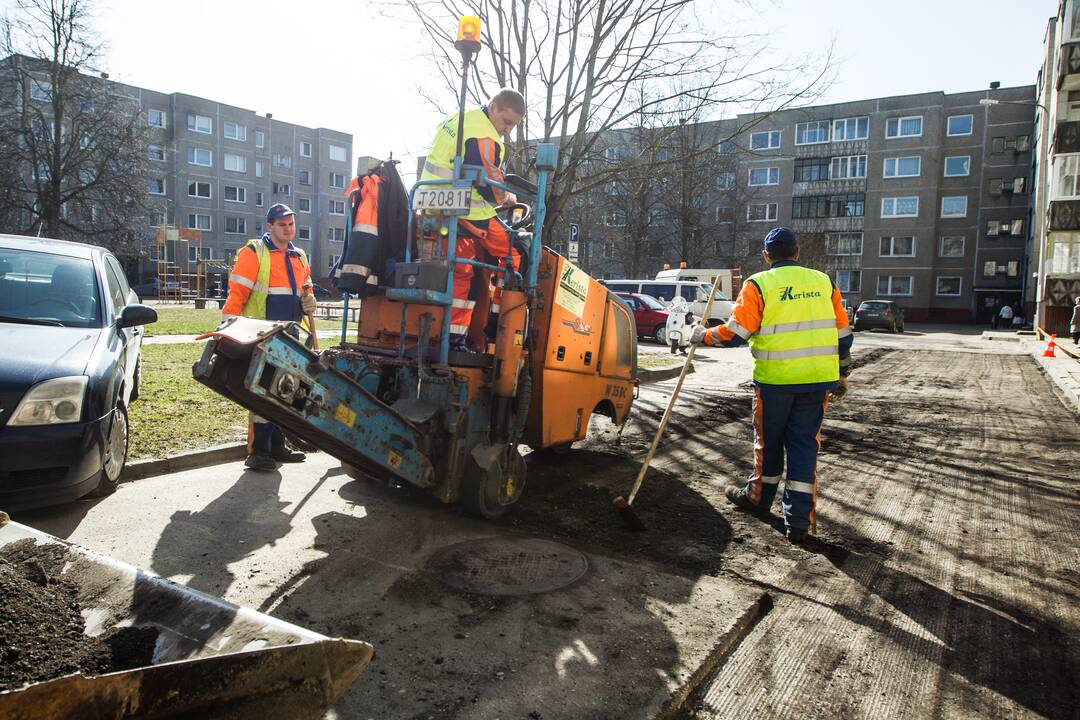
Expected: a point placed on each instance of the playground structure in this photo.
(181, 268)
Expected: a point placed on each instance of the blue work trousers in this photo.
(787, 423)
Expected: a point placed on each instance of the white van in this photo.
(729, 279)
(695, 293)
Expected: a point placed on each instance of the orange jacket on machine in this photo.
(289, 281)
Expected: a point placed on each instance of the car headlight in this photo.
(52, 402)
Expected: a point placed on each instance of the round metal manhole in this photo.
(508, 566)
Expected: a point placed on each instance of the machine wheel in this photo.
(660, 334)
(116, 448)
(487, 487)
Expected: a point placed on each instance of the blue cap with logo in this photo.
(780, 239)
(278, 211)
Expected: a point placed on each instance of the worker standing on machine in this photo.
(794, 321)
(480, 229)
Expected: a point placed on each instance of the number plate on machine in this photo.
(442, 198)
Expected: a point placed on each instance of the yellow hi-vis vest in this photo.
(440, 160)
(255, 307)
(797, 343)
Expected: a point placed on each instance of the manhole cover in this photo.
(508, 566)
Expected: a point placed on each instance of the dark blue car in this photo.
(70, 336)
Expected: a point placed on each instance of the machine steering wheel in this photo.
(509, 212)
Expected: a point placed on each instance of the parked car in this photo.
(322, 293)
(884, 314)
(696, 295)
(650, 316)
(70, 338)
(150, 289)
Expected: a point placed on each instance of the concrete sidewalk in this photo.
(1063, 369)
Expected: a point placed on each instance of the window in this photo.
(903, 246)
(156, 186)
(954, 206)
(304, 205)
(846, 168)
(958, 166)
(615, 218)
(158, 217)
(157, 153)
(40, 90)
(260, 168)
(948, 286)
(335, 234)
(810, 133)
(281, 189)
(766, 140)
(200, 124)
(993, 228)
(761, 212)
(903, 127)
(337, 152)
(822, 206)
(995, 186)
(199, 189)
(727, 148)
(305, 149)
(303, 232)
(1066, 177)
(1016, 228)
(337, 207)
(235, 163)
(235, 194)
(258, 199)
(765, 176)
(848, 281)
(260, 139)
(195, 221)
(1018, 184)
(997, 144)
(844, 243)
(894, 285)
(903, 167)
(989, 268)
(811, 169)
(304, 177)
(155, 118)
(1023, 143)
(235, 225)
(959, 125)
(725, 214)
(856, 128)
(200, 156)
(284, 161)
(334, 260)
(952, 246)
(232, 131)
(337, 180)
(896, 207)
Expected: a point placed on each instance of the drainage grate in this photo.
(508, 566)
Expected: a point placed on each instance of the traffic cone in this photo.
(1049, 351)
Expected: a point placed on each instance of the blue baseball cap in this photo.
(780, 239)
(278, 211)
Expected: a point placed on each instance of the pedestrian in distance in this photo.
(1005, 315)
(994, 316)
(793, 318)
(481, 234)
(270, 280)
(1074, 323)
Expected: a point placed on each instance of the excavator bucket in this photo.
(211, 659)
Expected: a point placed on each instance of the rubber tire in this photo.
(108, 481)
(476, 489)
(892, 328)
(659, 334)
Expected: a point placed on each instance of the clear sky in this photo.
(345, 66)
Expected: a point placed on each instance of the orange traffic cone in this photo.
(1049, 351)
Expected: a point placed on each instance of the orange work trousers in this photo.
(488, 241)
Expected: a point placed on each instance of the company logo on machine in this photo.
(579, 327)
(789, 295)
(573, 289)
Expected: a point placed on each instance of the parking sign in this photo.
(572, 245)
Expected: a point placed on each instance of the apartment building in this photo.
(1055, 242)
(922, 199)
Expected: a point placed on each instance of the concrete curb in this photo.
(650, 375)
(1062, 370)
(211, 456)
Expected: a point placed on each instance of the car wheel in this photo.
(116, 449)
(892, 328)
(660, 334)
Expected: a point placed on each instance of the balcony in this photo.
(1068, 65)
(1064, 215)
(830, 187)
(1067, 138)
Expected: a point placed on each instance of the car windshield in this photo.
(874, 306)
(650, 302)
(703, 296)
(38, 288)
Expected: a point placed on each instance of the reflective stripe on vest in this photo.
(255, 307)
(440, 160)
(797, 341)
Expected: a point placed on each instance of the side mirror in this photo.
(134, 315)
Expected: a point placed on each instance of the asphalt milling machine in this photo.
(399, 401)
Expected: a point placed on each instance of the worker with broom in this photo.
(794, 320)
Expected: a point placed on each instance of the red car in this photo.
(649, 314)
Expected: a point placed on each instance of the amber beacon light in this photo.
(468, 34)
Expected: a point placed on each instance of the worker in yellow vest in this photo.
(794, 320)
(270, 280)
(481, 234)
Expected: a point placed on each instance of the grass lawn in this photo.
(189, 321)
(175, 414)
(652, 361)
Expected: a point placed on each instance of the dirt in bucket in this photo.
(42, 632)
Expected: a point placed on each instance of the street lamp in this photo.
(992, 101)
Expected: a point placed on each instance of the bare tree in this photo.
(72, 146)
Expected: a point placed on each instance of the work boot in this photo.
(283, 454)
(796, 535)
(737, 496)
(260, 462)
